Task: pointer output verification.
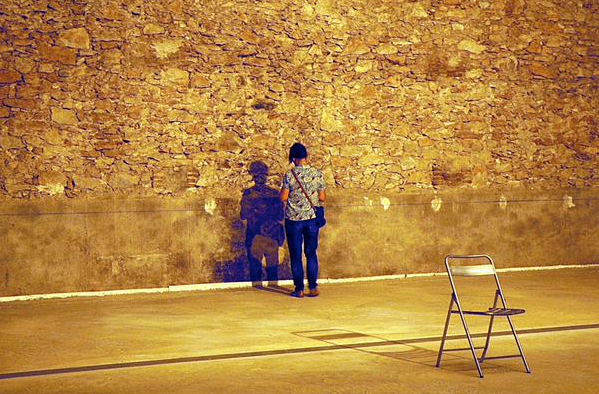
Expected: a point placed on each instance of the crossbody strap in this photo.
(302, 187)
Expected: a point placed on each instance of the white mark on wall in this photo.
(502, 202)
(51, 189)
(436, 204)
(116, 268)
(386, 203)
(368, 201)
(210, 206)
(568, 202)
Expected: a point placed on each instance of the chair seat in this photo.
(495, 312)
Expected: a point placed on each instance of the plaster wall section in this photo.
(113, 244)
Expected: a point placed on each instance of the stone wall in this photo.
(150, 103)
(162, 97)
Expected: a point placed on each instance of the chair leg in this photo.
(486, 349)
(480, 372)
(444, 332)
(509, 319)
(518, 344)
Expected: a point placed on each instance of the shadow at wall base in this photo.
(61, 245)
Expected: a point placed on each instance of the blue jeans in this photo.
(303, 233)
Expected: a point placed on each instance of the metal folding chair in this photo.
(455, 267)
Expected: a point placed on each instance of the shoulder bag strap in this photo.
(302, 187)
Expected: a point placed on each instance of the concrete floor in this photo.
(367, 337)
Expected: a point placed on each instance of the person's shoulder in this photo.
(315, 170)
(271, 193)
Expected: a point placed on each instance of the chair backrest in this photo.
(472, 270)
(470, 266)
(477, 269)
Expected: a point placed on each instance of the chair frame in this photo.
(478, 270)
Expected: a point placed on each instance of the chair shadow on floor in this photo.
(399, 350)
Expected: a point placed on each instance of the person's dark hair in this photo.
(297, 151)
(258, 168)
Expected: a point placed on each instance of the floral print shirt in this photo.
(298, 207)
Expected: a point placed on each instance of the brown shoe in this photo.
(297, 294)
(313, 293)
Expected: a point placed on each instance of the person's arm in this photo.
(322, 196)
(284, 194)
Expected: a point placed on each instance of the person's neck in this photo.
(300, 163)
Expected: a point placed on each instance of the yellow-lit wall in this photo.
(109, 103)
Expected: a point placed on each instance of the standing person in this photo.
(300, 218)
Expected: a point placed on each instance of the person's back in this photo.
(298, 207)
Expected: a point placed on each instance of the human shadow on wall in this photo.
(262, 211)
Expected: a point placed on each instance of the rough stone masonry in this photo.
(139, 99)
